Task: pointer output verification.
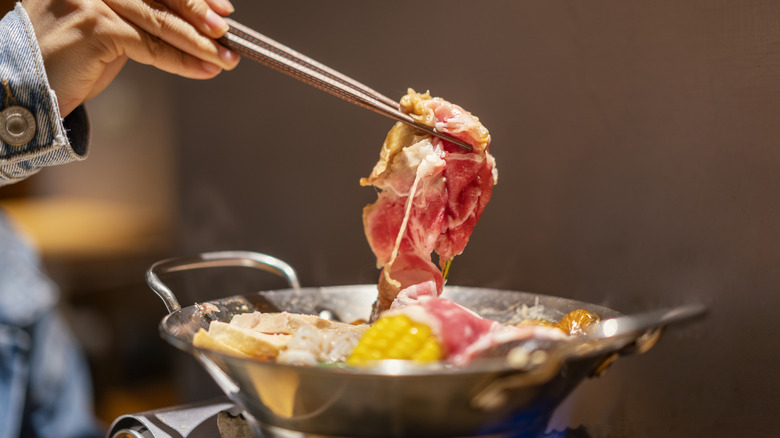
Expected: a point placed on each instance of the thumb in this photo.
(110, 71)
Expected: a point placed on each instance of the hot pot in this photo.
(490, 397)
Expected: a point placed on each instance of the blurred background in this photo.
(639, 167)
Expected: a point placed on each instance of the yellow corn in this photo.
(396, 337)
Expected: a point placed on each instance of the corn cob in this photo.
(396, 337)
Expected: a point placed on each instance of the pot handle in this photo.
(496, 393)
(629, 334)
(214, 260)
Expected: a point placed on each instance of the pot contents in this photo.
(431, 193)
(575, 322)
(284, 337)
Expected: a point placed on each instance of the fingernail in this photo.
(227, 55)
(210, 68)
(226, 5)
(215, 23)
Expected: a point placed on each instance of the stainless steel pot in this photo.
(490, 397)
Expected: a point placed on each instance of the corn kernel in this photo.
(396, 337)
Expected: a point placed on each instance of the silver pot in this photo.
(490, 397)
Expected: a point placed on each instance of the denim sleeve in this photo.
(24, 84)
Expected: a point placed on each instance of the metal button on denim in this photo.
(17, 125)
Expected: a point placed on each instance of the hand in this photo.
(85, 43)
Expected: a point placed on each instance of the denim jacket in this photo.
(25, 86)
(44, 384)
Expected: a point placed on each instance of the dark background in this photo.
(639, 167)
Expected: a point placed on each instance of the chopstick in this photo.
(281, 58)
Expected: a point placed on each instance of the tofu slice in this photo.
(246, 341)
(276, 323)
(203, 339)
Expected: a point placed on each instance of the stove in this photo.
(217, 418)
(221, 418)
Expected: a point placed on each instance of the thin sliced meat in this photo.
(462, 333)
(431, 194)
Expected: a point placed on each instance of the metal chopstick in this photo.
(268, 52)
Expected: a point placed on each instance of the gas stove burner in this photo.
(221, 418)
(218, 418)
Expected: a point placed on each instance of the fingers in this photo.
(162, 31)
(222, 7)
(84, 43)
(145, 48)
(106, 77)
(205, 15)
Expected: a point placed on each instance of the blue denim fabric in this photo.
(45, 388)
(56, 141)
